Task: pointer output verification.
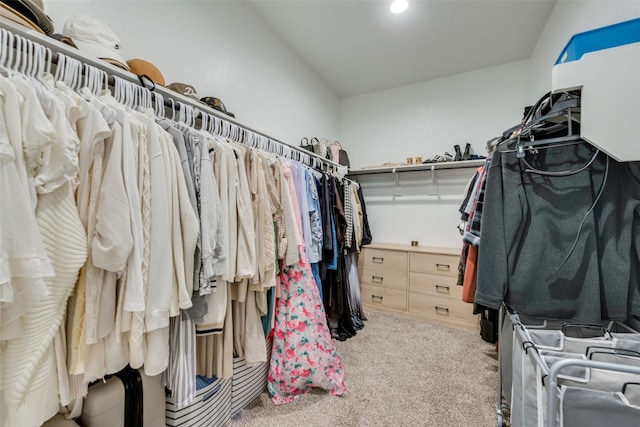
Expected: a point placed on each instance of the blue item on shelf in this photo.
(619, 34)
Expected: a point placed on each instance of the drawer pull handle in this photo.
(438, 287)
(443, 267)
(377, 259)
(377, 279)
(376, 298)
(446, 310)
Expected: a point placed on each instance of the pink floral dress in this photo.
(303, 356)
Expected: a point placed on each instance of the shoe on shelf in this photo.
(448, 157)
(467, 152)
(458, 155)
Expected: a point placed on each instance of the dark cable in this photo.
(531, 169)
(593, 205)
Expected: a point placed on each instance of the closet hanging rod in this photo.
(112, 70)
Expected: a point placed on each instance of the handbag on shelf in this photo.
(316, 146)
(309, 145)
(339, 154)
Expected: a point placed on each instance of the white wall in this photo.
(223, 50)
(568, 18)
(416, 207)
(426, 119)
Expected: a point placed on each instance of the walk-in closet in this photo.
(309, 213)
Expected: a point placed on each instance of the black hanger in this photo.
(552, 115)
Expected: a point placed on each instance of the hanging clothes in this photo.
(28, 379)
(585, 221)
(157, 245)
(303, 354)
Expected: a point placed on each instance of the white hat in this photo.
(94, 37)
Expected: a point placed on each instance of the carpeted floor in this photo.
(399, 372)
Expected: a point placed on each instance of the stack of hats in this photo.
(28, 13)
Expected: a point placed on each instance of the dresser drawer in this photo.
(383, 258)
(433, 284)
(434, 263)
(443, 310)
(376, 296)
(384, 277)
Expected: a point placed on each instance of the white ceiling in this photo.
(358, 47)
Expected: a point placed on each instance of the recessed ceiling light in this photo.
(399, 6)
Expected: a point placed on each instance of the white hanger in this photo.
(59, 76)
(21, 58)
(18, 53)
(131, 94)
(73, 73)
(225, 129)
(67, 74)
(130, 91)
(217, 126)
(146, 97)
(204, 121)
(211, 124)
(28, 59)
(105, 81)
(123, 91)
(187, 113)
(3, 47)
(195, 112)
(95, 80)
(158, 99)
(88, 77)
(234, 132)
(67, 71)
(173, 109)
(117, 88)
(137, 97)
(41, 55)
(181, 112)
(49, 61)
(8, 48)
(34, 60)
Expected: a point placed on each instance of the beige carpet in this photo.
(398, 372)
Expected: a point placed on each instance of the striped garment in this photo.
(348, 213)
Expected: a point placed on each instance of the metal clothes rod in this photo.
(111, 70)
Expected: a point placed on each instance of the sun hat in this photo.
(145, 68)
(94, 37)
(29, 13)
